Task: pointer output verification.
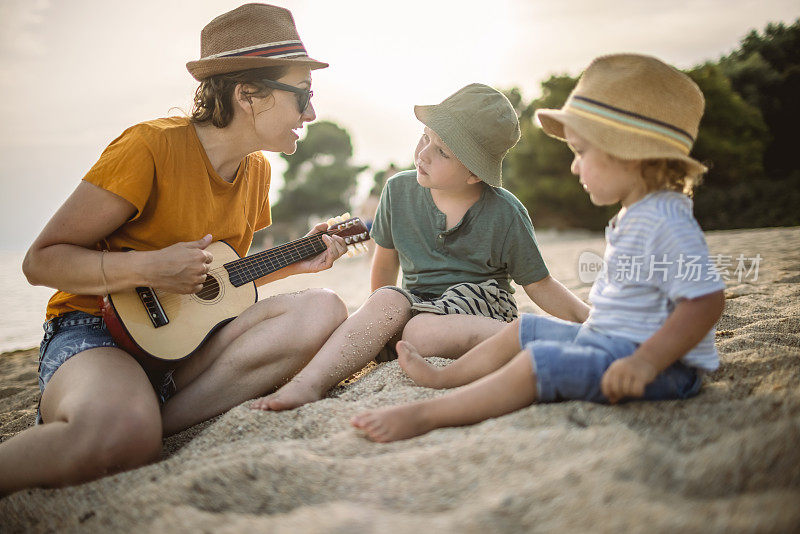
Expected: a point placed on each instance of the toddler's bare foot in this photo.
(291, 395)
(393, 423)
(415, 366)
(261, 403)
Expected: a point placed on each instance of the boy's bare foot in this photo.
(415, 366)
(290, 395)
(393, 423)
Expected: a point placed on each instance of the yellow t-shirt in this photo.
(161, 168)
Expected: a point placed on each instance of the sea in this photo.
(23, 305)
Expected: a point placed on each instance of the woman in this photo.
(143, 216)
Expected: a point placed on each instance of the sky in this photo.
(74, 75)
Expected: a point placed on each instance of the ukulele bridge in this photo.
(154, 310)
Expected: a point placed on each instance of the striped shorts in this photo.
(486, 299)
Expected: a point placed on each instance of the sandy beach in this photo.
(725, 461)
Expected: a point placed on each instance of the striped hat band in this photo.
(282, 49)
(630, 121)
(252, 36)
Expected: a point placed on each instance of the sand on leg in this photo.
(354, 344)
(255, 353)
(488, 356)
(449, 336)
(101, 416)
(508, 389)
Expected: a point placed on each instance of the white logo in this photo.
(590, 267)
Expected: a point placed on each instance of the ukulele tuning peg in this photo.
(350, 251)
(345, 215)
(362, 247)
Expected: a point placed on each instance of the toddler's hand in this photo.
(627, 377)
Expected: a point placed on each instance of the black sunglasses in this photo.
(303, 95)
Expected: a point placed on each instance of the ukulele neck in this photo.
(251, 268)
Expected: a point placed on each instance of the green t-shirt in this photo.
(494, 239)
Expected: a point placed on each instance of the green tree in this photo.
(731, 142)
(732, 134)
(765, 70)
(320, 179)
(537, 169)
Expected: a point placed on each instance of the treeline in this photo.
(319, 182)
(747, 139)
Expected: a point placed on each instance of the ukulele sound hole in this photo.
(210, 289)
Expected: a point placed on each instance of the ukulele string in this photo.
(254, 261)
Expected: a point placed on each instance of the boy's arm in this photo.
(385, 267)
(552, 297)
(686, 326)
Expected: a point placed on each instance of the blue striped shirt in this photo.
(655, 256)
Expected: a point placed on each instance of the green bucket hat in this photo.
(479, 125)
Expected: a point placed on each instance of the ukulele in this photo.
(160, 328)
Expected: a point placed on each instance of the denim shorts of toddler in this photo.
(569, 360)
(74, 332)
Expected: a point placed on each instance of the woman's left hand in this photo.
(324, 260)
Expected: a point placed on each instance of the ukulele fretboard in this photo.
(245, 270)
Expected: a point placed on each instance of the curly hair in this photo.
(669, 174)
(213, 100)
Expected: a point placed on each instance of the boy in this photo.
(458, 236)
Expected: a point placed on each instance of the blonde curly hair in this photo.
(670, 175)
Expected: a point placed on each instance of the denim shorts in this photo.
(74, 332)
(569, 360)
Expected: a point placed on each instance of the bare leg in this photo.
(256, 352)
(448, 336)
(486, 358)
(357, 341)
(508, 389)
(101, 416)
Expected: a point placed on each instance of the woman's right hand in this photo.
(64, 255)
(180, 268)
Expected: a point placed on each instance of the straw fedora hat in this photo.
(249, 37)
(632, 107)
(479, 125)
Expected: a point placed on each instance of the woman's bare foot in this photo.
(421, 372)
(393, 423)
(290, 395)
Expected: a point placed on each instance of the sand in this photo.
(727, 460)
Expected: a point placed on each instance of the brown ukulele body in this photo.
(191, 318)
(161, 328)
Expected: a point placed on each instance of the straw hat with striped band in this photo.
(632, 107)
(249, 37)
